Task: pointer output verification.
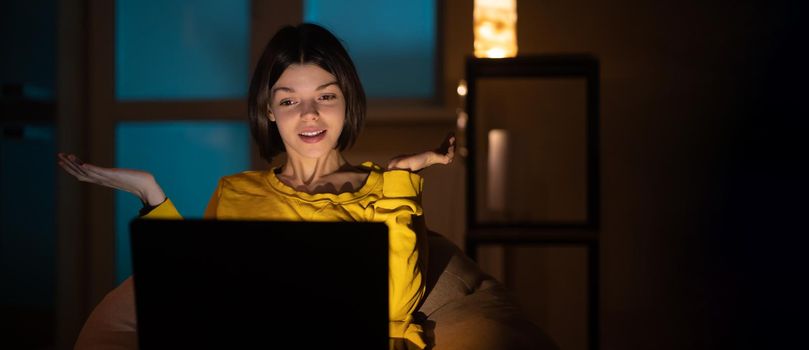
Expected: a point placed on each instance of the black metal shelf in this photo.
(585, 233)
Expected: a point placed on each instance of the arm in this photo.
(140, 183)
(400, 209)
(166, 210)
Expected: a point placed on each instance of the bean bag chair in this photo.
(464, 309)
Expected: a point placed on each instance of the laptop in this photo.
(260, 284)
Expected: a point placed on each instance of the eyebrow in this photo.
(286, 89)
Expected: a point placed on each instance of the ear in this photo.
(270, 115)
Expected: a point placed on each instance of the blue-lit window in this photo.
(181, 49)
(186, 158)
(392, 43)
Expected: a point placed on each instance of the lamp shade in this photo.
(495, 24)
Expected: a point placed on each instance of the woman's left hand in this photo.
(444, 154)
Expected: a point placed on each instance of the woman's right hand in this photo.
(139, 183)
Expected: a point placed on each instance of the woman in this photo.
(306, 101)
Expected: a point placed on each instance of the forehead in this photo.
(304, 76)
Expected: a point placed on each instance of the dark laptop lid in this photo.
(225, 284)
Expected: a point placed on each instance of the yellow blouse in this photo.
(392, 197)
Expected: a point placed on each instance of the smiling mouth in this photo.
(312, 133)
(312, 136)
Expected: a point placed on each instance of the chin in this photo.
(316, 153)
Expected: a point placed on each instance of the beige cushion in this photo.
(112, 324)
(464, 309)
(467, 309)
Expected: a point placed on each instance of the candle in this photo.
(497, 166)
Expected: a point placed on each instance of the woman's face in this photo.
(309, 108)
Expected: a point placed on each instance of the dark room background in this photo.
(703, 150)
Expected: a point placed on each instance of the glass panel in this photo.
(532, 158)
(181, 49)
(391, 42)
(186, 158)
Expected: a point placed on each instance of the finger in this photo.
(395, 163)
(76, 163)
(450, 154)
(449, 138)
(96, 172)
(439, 159)
(93, 168)
(76, 170)
(445, 145)
(65, 157)
(449, 157)
(92, 176)
(61, 157)
(66, 169)
(71, 171)
(75, 159)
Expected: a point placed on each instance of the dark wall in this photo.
(762, 229)
(28, 39)
(702, 136)
(27, 194)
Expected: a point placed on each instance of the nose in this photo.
(309, 111)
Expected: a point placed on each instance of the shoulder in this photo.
(246, 181)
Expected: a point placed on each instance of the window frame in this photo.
(103, 111)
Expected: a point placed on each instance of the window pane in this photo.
(186, 158)
(550, 131)
(391, 42)
(181, 49)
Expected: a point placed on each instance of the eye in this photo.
(328, 97)
(286, 102)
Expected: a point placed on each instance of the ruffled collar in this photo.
(371, 181)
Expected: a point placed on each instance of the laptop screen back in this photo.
(225, 284)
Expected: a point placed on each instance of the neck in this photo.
(306, 171)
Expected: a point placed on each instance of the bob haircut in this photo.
(303, 44)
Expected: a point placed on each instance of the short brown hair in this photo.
(303, 44)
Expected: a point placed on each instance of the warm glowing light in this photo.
(496, 53)
(462, 88)
(495, 28)
(461, 120)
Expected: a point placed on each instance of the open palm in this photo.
(139, 183)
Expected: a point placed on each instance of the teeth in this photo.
(312, 133)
